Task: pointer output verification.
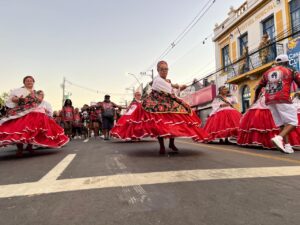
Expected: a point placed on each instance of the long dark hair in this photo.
(297, 95)
(68, 101)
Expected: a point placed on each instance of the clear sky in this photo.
(93, 43)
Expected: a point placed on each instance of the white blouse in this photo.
(161, 85)
(216, 104)
(260, 103)
(296, 102)
(47, 107)
(16, 93)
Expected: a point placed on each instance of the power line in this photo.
(279, 35)
(93, 90)
(278, 38)
(180, 37)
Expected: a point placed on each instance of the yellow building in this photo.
(241, 53)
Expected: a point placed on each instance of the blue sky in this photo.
(93, 43)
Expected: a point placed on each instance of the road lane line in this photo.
(277, 158)
(58, 169)
(152, 178)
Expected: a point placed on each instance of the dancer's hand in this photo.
(15, 99)
(224, 105)
(182, 87)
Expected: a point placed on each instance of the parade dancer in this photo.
(223, 121)
(161, 115)
(278, 81)
(257, 126)
(94, 121)
(121, 123)
(44, 104)
(294, 136)
(85, 118)
(27, 123)
(77, 125)
(108, 116)
(67, 115)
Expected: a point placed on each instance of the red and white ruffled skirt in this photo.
(294, 136)
(138, 123)
(33, 128)
(223, 124)
(257, 127)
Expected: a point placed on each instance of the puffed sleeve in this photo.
(233, 100)
(216, 104)
(161, 85)
(297, 79)
(16, 92)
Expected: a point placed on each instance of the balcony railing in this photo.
(254, 60)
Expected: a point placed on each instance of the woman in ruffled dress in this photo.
(27, 123)
(294, 136)
(223, 122)
(257, 126)
(161, 115)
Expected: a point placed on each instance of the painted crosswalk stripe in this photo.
(48, 184)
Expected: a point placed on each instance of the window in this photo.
(243, 43)
(226, 58)
(246, 95)
(269, 27)
(295, 15)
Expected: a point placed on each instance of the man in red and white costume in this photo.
(277, 81)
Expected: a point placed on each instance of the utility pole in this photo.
(131, 89)
(63, 87)
(152, 74)
(149, 75)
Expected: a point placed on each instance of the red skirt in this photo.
(294, 136)
(223, 124)
(257, 127)
(138, 123)
(34, 128)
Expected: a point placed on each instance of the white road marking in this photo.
(58, 169)
(129, 180)
(120, 165)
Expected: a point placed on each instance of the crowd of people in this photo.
(272, 121)
(90, 121)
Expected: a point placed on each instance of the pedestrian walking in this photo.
(278, 81)
(108, 115)
(67, 116)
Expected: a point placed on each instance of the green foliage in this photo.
(3, 98)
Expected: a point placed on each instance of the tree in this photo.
(3, 98)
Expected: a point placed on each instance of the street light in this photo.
(149, 75)
(131, 89)
(135, 77)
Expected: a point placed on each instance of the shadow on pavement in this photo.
(11, 155)
(149, 153)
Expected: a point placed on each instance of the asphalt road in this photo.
(114, 182)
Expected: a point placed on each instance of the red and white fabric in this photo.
(278, 82)
(257, 126)
(294, 136)
(223, 122)
(33, 128)
(161, 114)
